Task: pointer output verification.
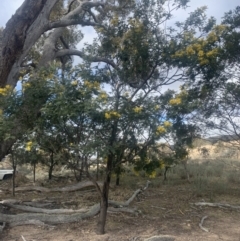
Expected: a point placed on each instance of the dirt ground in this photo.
(162, 209)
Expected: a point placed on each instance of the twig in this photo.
(23, 238)
(181, 211)
(201, 223)
(158, 207)
(220, 205)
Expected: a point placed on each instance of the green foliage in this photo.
(73, 116)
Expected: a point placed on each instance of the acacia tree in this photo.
(70, 116)
(142, 65)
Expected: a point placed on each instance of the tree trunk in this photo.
(50, 172)
(103, 211)
(97, 167)
(186, 170)
(118, 172)
(118, 180)
(104, 197)
(34, 172)
(51, 167)
(81, 169)
(13, 180)
(14, 35)
(165, 173)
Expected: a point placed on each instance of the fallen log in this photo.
(72, 188)
(43, 210)
(50, 219)
(58, 216)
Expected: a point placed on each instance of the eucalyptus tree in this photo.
(53, 19)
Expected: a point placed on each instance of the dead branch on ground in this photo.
(71, 188)
(57, 216)
(201, 224)
(135, 194)
(220, 205)
(23, 238)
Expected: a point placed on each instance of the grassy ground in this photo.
(164, 208)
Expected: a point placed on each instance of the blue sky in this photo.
(216, 8)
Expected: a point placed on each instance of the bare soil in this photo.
(163, 209)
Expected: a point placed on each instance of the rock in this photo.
(160, 238)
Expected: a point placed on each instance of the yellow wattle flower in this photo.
(29, 146)
(137, 109)
(161, 130)
(167, 124)
(175, 101)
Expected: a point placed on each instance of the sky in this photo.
(216, 8)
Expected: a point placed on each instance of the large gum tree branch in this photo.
(15, 33)
(68, 22)
(30, 35)
(76, 52)
(73, 18)
(28, 24)
(49, 51)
